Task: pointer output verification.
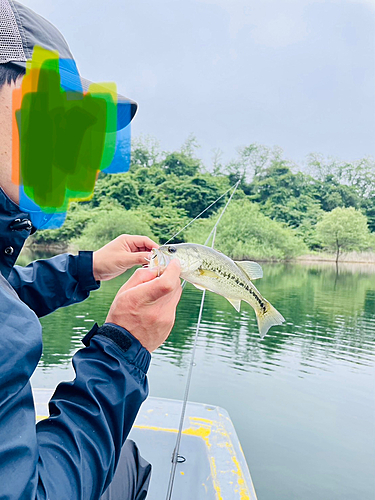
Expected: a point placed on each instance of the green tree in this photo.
(193, 194)
(368, 207)
(359, 174)
(166, 190)
(288, 197)
(342, 230)
(181, 164)
(145, 152)
(164, 221)
(331, 194)
(120, 187)
(345, 183)
(253, 160)
(217, 165)
(190, 146)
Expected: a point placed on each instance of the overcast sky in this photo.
(299, 74)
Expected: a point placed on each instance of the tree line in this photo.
(280, 210)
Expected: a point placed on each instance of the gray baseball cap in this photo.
(21, 29)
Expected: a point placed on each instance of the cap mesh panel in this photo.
(11, 48)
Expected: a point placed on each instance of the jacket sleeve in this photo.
(90, 418)
(46, 285)
(72, 454)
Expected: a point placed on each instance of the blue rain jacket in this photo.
(72, 454)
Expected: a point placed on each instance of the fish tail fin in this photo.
(268, 319)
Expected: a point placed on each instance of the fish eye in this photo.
(172, 249)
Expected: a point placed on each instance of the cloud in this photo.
(298, 73)
(273, 23)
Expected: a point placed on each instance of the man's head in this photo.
(9, 73)
(22, 33)
(10, 77)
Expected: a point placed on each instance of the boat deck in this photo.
(214, 465)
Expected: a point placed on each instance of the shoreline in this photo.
(348, 258)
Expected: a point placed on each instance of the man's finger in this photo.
(137, 258)
(166, 284)
(142, 275)
(137, 243)
(173, 269)
(176, 296)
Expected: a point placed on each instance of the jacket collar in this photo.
(15, 227)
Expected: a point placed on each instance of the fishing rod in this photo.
(175, 455)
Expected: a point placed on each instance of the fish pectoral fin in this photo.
(208, 273)
(199, 287)
(235, 303)
(252, 269)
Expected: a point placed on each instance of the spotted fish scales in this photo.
(211, 270)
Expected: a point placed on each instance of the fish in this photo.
(209, 269)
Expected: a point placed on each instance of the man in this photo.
(75, 452)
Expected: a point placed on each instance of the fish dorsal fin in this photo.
(235, 303)
(252, 269)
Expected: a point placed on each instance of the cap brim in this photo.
(126, 108)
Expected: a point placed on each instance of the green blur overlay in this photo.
(65, 139)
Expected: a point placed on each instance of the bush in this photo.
(107, 223)
(246, 233)
(76, 219)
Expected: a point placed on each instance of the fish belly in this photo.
(234, 288)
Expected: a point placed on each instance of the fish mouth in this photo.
(158, 259)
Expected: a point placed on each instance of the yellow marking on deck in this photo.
(154, 428)
(214, 476)
(204, 431)
(204, 420)
(241, 482)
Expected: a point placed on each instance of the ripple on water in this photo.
(318, 367)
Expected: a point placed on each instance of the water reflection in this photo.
(302, 399)
(324, 321)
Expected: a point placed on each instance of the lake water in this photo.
(302, 400)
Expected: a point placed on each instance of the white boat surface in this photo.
(212, 464)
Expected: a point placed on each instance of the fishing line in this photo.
(203, 211)
(234, 187)
(176, 450)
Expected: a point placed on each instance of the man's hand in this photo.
(120, 255)
(146, 305)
